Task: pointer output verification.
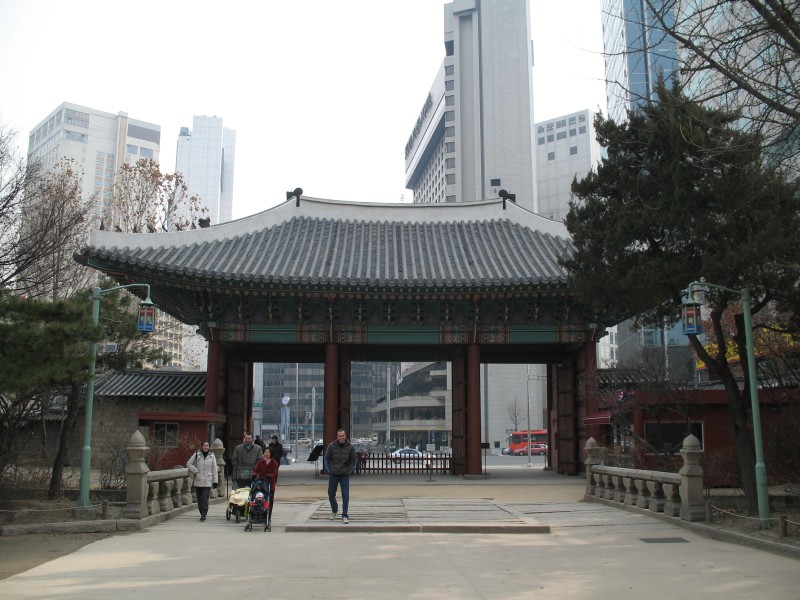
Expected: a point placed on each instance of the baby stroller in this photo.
(258, 505)
(238, 503)
(239, 498)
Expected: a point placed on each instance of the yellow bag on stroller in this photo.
(238, 501)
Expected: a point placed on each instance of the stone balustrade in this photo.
(154, 492)
(674, 494)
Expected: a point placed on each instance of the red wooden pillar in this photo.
(212, 378)
(330, 423)
(473, 410)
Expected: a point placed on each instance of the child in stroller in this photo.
(260, 506)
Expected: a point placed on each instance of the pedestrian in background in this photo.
(203, 465)
(340, 462)
(276, 448)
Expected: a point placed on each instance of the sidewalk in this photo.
(591, 551)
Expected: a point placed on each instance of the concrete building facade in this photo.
(98, 141)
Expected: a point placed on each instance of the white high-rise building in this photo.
(474, 132)
(98, 141)
(205, 157)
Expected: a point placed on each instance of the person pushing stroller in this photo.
(266, 469)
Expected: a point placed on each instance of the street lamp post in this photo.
(761, 469)
(146, 323)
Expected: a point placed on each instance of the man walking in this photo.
(245, 456)
(276, 449)
(340, 462)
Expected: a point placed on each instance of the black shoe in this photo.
(202, 517)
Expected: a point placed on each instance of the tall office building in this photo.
(99, 142)
(474, 131)
(205, 157)
(636, 53)
(474, 137)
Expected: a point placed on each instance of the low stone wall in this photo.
(674, 494)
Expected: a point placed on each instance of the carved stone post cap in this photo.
(690, 443)
(137, 439)
(592, 443)
(217, 444)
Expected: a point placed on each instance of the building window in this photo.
(494, 182)
(450, 147)
(582, 118)
(551, 156)
(450, 115)
(572, 120)
(450, 100)
(449, 85)
(449, 48)
(573, 132)
(561, 135)
(166, 434)
(561, 123)
(668, 438)
(449, 131)
(450, 199)
(573, 150)
(549, 127)
(541, 141)
(450, 163)
(450, 178)
(582, 129)
(130, 149)
(146, 152)
(448, 69)
(550, 138)
(540, 129)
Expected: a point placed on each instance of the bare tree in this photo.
(742, 56)
(57, 208)
(147, 200)
(515, 412)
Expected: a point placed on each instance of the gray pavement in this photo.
(579, 551)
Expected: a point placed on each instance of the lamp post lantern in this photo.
(146, 324)
(689, 314)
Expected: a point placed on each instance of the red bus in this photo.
(517, 440)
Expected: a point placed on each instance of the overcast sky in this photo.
(322, 95)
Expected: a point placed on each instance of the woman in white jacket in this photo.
(203, 464)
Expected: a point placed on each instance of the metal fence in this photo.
(384, 463)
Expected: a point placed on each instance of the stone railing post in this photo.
(136, 471)
(592, 458)
(218, 449)
(692, 506)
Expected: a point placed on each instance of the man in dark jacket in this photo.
(276, 449)
(340, 462)
(245, 456)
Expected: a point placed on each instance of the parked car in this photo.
(407, 454)
(304, 442)
(538, 449)
(506, 450)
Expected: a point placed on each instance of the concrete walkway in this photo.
(591, 550)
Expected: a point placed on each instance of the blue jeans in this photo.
(333, 482)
